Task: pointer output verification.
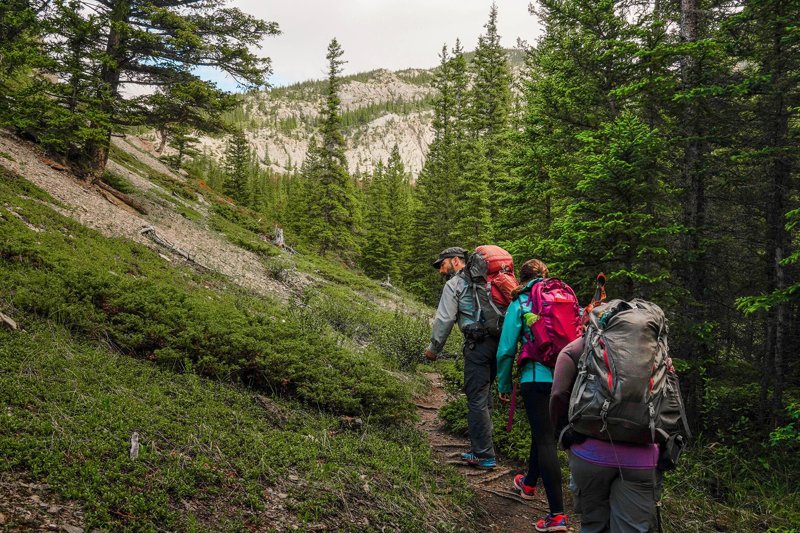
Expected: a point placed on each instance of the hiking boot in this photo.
(526, 492)
(472, 460)
(552, 522)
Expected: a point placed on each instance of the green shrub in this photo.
(398, 336)
(242, 237)
(118, 182)
(514, 445)
(727, 488)
(210, 457)
(123, 292)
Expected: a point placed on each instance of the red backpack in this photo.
(559, 321)
(499, 272)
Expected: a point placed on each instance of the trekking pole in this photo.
(598, 298)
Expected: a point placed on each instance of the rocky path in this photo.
(501, 509)
(27, 506)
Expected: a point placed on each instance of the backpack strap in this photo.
(512, 408)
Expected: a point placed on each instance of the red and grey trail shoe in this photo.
(526, 492)
(552, 522)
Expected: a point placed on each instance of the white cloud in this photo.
(391, 34)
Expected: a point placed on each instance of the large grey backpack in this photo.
(627, 389)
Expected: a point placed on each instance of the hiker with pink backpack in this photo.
(544, 316)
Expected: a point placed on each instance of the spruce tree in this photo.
(473, 224)
(183, 142)
(237, 168)
(332, 202)
(765, 38)
(378, 256)
(147, 43)
(611, 226)
(490, 106)
(398, 196)
(436, 191)
(298, 214)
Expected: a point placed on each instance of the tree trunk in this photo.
(693, 183)
(779, 169)
(97, 152)
(163, 134)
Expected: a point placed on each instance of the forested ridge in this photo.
(657, 142)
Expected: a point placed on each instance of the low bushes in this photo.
(210, 457)
(124, 293)
(398, 336)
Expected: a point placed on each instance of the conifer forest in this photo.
(657, 142)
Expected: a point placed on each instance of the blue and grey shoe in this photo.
(473, 460)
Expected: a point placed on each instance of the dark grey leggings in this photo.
(543, 460)
(480, 369)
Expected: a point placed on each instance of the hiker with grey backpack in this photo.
(615, 394)
(475, 297)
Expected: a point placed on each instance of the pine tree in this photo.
(183, 142)
(473, 225)
(378, 256)
(333, 204)
(237, 168)
(765, 38)
(436, 191)
(149, 43)
(611, 226)
(298, 214)
(490, 106)
(398, 195)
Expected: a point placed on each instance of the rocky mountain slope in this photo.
(381, 108)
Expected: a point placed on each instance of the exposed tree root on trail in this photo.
(501, 509)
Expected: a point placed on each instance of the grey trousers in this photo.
(614, 500)
(480, 369)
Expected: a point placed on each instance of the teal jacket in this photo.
(514, 332)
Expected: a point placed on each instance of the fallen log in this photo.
(9, 322)
(128, 200)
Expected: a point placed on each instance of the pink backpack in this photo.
(559, 321)
(559, 324)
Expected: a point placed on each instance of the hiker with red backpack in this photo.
(616, 395)
(475, 297)
(544, 316)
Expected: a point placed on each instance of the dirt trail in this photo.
(502, 510)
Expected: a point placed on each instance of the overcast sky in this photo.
(393, 34)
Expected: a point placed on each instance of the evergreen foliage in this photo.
(237, 168)
(90, 50)
(618, 222)
(489, 111)
(377, 255)
(332, 197)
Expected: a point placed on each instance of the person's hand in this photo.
(430, 356)
(505, 397)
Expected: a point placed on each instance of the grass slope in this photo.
(210, 457)
(117, 341)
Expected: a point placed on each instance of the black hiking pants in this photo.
(480, 369)
(543, 461)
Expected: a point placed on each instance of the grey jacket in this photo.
(457, 304)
